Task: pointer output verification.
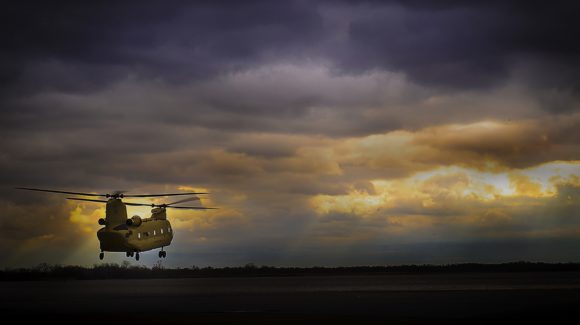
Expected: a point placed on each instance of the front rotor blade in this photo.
(189, 199)
(164, 194)
(90, 200)
(61, 192)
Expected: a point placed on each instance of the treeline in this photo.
(127, 271)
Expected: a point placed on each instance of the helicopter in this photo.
(132, 235)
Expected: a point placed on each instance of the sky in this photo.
(328, 133)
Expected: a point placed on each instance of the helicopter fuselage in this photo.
(149, 235)
(121, 234)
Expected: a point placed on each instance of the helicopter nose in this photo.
(112, 238)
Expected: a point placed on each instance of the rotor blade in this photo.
(140, 204)
(61, 192)
(193, 208)
(164, 194)
(90, 200)
(164, 206)
(189, 199)
(115, 194)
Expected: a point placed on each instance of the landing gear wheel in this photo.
(160, 254)
(137, 256)
(164, 254)
(102, 255)
(128, 254)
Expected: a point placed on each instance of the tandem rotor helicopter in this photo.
(132, 235)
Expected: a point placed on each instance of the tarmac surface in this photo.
(402, 298)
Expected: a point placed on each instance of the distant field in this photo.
(401, 297)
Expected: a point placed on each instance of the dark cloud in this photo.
(465, 45)
(450, 44)
(105, 41)
(219, 55)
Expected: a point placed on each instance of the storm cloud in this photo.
(341, 132)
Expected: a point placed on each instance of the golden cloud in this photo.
(475, 196)
(85, 216)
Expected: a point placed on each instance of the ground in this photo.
(408, 298)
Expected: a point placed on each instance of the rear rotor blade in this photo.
(193, 208)
(189, 199)
(61, 192)
(164, 194)
(90, 200)
(164, 206)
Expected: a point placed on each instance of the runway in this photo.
(411, 298)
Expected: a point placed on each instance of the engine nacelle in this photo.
(135, 221)
(102, 222)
